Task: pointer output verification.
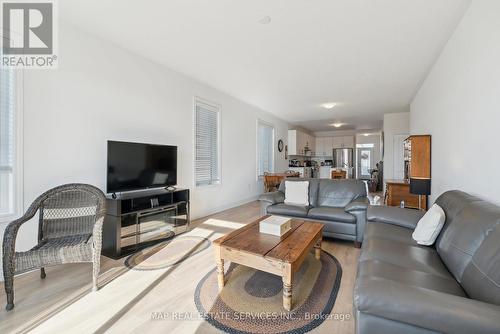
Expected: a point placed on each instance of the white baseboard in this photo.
(225, 207)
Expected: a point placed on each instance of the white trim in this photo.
(225, 207)
(260, 121)
(18, 168)
(218, 107)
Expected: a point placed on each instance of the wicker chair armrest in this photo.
(97, 231)
(10, 233)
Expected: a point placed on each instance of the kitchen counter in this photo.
(305, 172)
(325, 172)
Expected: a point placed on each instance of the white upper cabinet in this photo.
(343, 142)
(298, 140)
(292, 142)
(324, 146)
(320, 146)
(328, 146)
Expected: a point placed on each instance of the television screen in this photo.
(133, 166)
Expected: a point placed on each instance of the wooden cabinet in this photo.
(343, 142)
(399, 190)
(420, 157)
(417, 158)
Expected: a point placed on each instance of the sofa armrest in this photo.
(361, 203)
(393, 215)
(272, 197)
(425, 308)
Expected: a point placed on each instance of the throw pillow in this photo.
(297, 193)
(429, 226)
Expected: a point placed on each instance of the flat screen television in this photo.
(134, 166)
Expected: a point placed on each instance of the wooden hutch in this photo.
(417, 160)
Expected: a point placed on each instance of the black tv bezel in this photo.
(140, 188)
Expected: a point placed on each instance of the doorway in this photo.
(365, 161)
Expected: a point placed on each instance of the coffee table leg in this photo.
(220, 267)
(287, 287)
(317, 249)
(220, 274)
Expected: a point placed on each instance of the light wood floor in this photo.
(127, 298)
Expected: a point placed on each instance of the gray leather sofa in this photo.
(339, 204)
(452, 287)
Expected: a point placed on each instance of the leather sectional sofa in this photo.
(339, 204)
(451, 287)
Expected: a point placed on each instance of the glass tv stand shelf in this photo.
(140, 219)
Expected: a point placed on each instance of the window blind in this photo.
(7, 135)
(207, 168)
(265, 148)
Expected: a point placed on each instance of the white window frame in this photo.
(196, 101)
(262, 122)
(18, 168)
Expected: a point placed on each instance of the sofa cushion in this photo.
(429, 310)
(465, 234)
(409, 277)
(481, 278)
(339, 193)
(313, 188)
(452, 202)
(329, 213)
(389, 232)
(288, 210)
(297, 193)
(429, 226)
(409, 256)
(393, 215)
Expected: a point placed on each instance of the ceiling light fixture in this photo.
(265, 20)
(366, 134)
(329, 105)
(336, 125)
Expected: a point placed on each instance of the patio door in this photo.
(365, 162)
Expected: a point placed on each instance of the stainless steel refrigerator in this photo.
(344, 158)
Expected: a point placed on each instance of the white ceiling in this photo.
(369, 56)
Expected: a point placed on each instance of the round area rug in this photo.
(166, 254)
(252, 302)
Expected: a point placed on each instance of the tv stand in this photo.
(140, 219)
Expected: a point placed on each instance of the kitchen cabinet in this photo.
(298, 140)
(324, 146)
(305, 172)
(320, 146)
(325, 172)
(343, 142)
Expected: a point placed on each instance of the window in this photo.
(207, 143)
(265, 148)
(10, 145)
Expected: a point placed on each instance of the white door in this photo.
(365, 162)
(398, 156)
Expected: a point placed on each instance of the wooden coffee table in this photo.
(280, 256)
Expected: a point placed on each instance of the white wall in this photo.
(459, 105)
(102, 92)
(394, 125)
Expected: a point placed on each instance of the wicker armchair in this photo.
(69, 231)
